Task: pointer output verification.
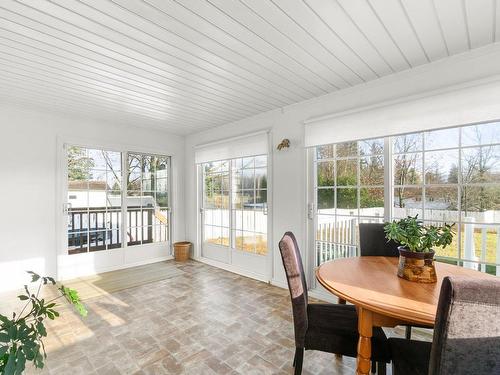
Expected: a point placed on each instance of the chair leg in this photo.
(381, 368)
(374, 367)
(408, 332)
(297, 362)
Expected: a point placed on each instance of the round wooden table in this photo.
(381, 298)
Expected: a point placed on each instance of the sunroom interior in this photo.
(263, 134)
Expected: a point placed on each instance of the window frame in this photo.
(124, 150)
(390, 186)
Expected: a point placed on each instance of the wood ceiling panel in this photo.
(188, 65)
(451, 16)
(480, 20)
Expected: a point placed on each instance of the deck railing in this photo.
(340, 239)
(99, 228)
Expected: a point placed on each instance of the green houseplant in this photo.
(416, 254)
(21, 336)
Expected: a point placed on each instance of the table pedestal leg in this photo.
(365, 329)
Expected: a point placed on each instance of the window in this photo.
(94, 199)
(147, 199)
(95, 192)
(235, 203)
(446, 175)
(349, 190)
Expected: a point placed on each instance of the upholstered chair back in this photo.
(295, 276)
(372, 241)
(467, 331)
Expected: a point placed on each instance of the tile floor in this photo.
(205, 321)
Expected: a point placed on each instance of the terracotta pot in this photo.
(181, 250)
(418, 267)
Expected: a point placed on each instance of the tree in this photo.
(79, 164)
(405, 164)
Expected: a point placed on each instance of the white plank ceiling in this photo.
(188, 65)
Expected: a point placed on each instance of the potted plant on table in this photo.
(416, 254)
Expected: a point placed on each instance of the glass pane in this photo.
(237, 180)
(113, 219)
(248, 179)
(371, 147)
(78, 221)
(260, 161)
(248, 199)
(249, 220)
(408, 169)
(98, 159)
(238, 219)
(325, 173)
(441, 167)
(225, 237)
(78, 196)
(407, 202)
(481, 134)
(371, 202)
(481, 164)
(347, 149)
(481, 203)
(347, 172)
(479, 243)
(260, 199)
(238, 239)
(248, 163)
(113, 239)
(450, 251)
(346, 228)
(161, 199)
(325, 152)
(439, 139)
(407, 143)
(79, 164)
(347, 199)
(77, 242)
(97, 240)
(441, 204)
(261, 244)
(261, 178)
(372, 170)
(326, 201)
(249, 242)
(260, 222)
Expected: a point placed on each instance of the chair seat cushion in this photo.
(410, 356)
(334, 328)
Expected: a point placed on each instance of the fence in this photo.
(340, 239)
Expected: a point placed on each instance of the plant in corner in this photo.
(21, 337)
(416, 254)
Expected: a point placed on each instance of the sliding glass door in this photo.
(116, 209)
(234, 212)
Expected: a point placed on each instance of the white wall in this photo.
(28, 182)
(289, 166)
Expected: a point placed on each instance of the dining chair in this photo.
(325, 327)
(372, 242)
(466, 336)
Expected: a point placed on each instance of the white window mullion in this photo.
(388, 179)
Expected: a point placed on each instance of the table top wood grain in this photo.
(372, 283)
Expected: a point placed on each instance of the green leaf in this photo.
(21, 362)
(10, 367)
(4, 337)
(22, 297)
(34, 276)
(3, 350)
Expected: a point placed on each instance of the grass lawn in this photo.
(491, 247)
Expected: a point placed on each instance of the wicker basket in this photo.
(181, 251)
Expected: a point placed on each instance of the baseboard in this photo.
(124, 266)
(233, 269)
